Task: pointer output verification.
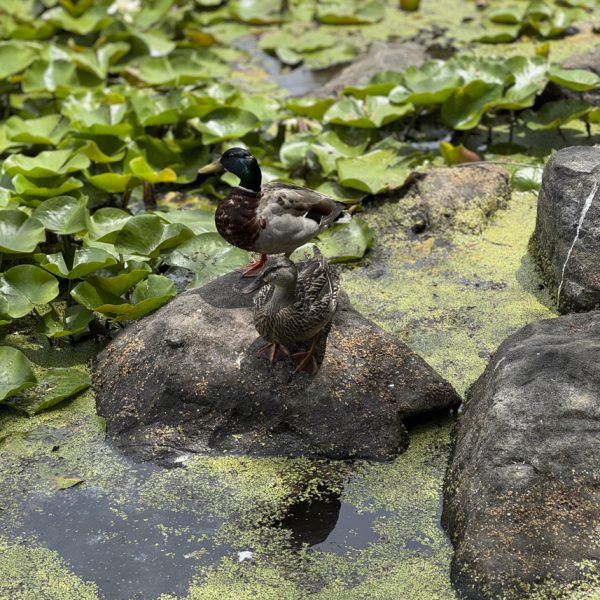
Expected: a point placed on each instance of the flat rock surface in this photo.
(187, 379)
(566, 241)
(522, 492)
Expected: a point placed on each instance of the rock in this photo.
(462, 198)
(187, 379)
(566, 247)
(391, 56)
(522, 491)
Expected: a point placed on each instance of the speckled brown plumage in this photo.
(236, 219)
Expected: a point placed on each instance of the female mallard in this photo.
(275, 218)
(295, 307)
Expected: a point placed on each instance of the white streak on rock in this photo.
(586, 207)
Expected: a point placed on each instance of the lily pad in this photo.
(139, 166)
(15, 56)
(16, 373)
(208, 255)
(226, 124)
(374, 112)
(19, 233)
(147, 235)
(46, 164)
(63, 214)
(47, 131)
(75, 320)
(105, 224)
(575, 79)
(465, 107)
(346, 242)
(85, 261)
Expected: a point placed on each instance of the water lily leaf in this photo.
(139, 166)
(87, 117)
(54, 386)
(124, 280)
(558, 113)
(373, 113)
(467, 104)
(376, 171)
(146, 297)
(15, 57)
(264, 107)
(156, 109)
(48, 130)
(341, 142)
(429, 91)
(93, 19)
(64, 483)
(97, 155)
(309, 106)
(19, 233)
(208, 255)
(530, 77)
(113, 183)
(575, 79)
(45, 188)
(346, 242)
(350, 13)
(63, 214)
(527, 179)
(497, 33)
(226, 124)
(105, 224)
(60, 77)
(511, 14)
(85, 261)
(197, 219)
(472, 68)
(22, 287)
(257, 12)
(15, 372)
(46, 164)
(147, 235)
(76, 319)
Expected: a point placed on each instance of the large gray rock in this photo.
(187, 379)
(522, 491)
(566, 241)
(390, 56)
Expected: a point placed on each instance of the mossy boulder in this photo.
(522, 491)
(566, 241)
(187, 379)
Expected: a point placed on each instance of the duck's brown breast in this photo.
(236, 219)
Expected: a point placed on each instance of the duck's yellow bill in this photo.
(213, 167)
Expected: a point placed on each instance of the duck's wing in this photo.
(283, 198)
(318, 285)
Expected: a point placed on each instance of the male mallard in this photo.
(295, 307)
(275, 218)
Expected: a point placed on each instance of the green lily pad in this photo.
(22, 287)
(15, 56)
(147, 235)
(16, 373)
(350, 12)
(558, 113)
(309, 106)
(374, 112)
(454, 155)
(75, 320)
(208, 255)
(530, 76)
(63, 214)
(197, 219)
(105, 224)
(139, 166)
(376, 171)
(346, 242)
(45, 188)
(54, 386)
(575, 79)
(226, 124)
(465, 107)
(46, 164)
(64, 483)
(85, 261)
(113, 183)
(123, 280)
(257, 12)
(47, 131)
(19, 233)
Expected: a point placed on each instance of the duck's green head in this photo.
(241, 163)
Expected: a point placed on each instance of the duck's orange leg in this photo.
(255, 267)
(273, 352)
(306, 360)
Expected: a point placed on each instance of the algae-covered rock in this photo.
(391, 56)
(566, 241)
(453, 198)
(522, 492)
(187, 378)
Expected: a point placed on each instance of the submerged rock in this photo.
(391, 56)
(522, 491)
(566, 241)
(446, 198)
(187, 379)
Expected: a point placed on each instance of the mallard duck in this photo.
(294, 306)
(275, 218)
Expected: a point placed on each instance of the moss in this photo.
(34, 573)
